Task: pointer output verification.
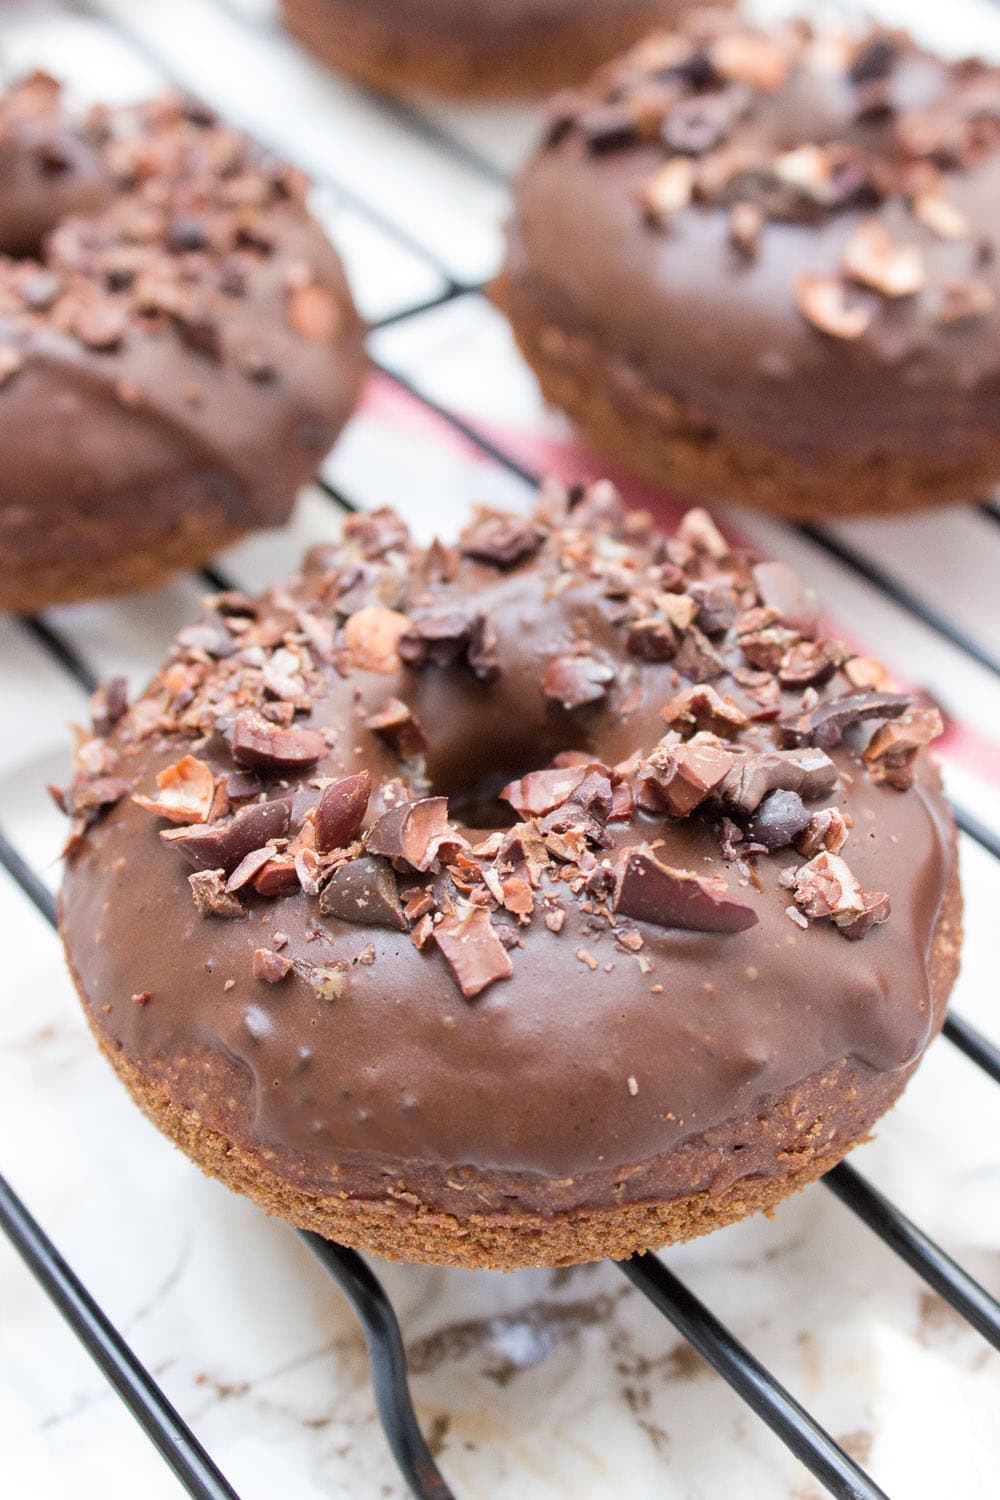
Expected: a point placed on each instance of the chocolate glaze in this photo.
(532, 1075)
(688, 314)
(205, 405)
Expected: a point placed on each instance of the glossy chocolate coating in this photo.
(531, 1076)
(688, 314)
(205, 403)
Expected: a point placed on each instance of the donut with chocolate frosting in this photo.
(763, 267)
(178, 345)
(475, 47)
(551, 896)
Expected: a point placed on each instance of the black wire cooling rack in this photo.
(166, 1429)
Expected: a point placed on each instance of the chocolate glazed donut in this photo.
(176, 356)
(511, 48)
(551, 897)
(762, 267)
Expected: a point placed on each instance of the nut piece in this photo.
(668, 190)
(871, 258)
(824, 301)
(187, 791)
(341, 811)
(372, 636)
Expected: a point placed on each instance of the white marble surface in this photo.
(538, 1385)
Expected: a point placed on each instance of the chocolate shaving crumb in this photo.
(472, 948)
(223, 847)
(265, 746)
(778, 821)
(892, 751)
(808, 771)
(500, 539)
(575, 681)
(651, 891)
(824, 725)
(364, 890)
(270, 967)
(108, 704)
(396, 723)
(211, 897)
(417, 833)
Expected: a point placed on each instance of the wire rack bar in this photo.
(387, 1357)
(63, 650)
(800, 1432)
(159, 1420)
(745, 1374)
(919, 1251)
(984, 1053)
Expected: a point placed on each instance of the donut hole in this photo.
(480, 805)
(473, 790)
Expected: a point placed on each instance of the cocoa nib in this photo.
(575, 681)
(651, 891)
(272, 747)
(364, 890)
(108, 703)
(676, 777)
(269, 966)
(224, 846)
(825, 724)
(892, 751)
(448, 638)
(781, 589)
(396, 723)
(341, 810)
(500, 539)
(416, 832)
(539, 792)
(473, 950)
(808, 771)
(651, 639)
(827, 887)
(211, 897)
(779, 820)
(701, 707)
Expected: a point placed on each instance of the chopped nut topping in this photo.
(372, 636)
(871, 258)
(187, 791)
(825, 301)
(668, 191)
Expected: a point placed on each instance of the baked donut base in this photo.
(671, 443)
(193, 542)
(534, 59)
(791, 1139)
